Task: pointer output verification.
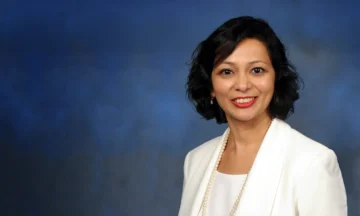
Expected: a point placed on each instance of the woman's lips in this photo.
(244, 102)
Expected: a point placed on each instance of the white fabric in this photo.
(224, 192)
(292, 175)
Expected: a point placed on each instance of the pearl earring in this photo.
(212, 101)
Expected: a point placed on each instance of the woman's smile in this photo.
(244, 102)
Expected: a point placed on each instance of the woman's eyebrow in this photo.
(229, 63)
(249, 63)
(257, 61)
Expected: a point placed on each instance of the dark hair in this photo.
(219, 45)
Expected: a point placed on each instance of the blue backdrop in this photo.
(94, 118)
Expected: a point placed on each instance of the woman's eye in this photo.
(257, 70)
(226, 72)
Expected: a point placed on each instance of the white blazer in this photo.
(292, 175)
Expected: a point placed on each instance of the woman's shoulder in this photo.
(205, 147)
(304, 152)
(305, 146)
(201, 153)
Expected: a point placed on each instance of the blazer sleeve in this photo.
(186, 174)
(186, 169)
(321, 189)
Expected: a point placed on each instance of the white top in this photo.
(224, 192)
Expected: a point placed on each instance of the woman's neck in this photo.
(247, 135)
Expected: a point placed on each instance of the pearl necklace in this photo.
(210, 183)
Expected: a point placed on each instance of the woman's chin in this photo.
(244, 118)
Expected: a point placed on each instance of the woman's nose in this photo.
(242, 82)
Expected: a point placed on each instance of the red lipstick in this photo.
(246, 104)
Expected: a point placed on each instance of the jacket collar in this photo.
(260, 189)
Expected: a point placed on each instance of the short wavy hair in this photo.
(219, 45)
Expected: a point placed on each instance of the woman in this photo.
(240, 75)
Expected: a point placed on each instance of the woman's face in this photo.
(244, 82)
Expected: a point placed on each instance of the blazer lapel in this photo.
(260, 189)
(197, 204)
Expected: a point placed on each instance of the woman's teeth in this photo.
(244, 100)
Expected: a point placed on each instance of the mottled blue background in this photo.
(94, 118)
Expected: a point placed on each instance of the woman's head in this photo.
(241, 71)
